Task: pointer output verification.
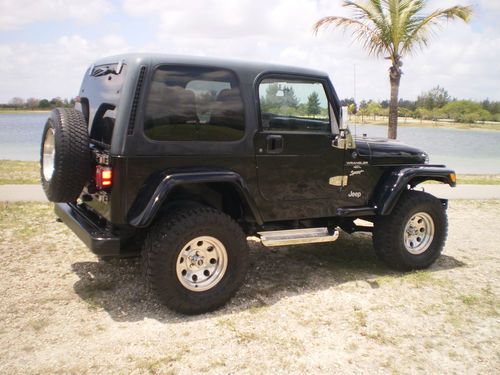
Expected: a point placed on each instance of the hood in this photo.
(388, 151)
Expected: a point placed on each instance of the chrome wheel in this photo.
(202, 263)
(49, 152)
(419, 233)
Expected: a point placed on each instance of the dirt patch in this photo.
(318, 309)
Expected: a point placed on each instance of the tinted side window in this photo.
(99, 97)
(194, 104)
(293, 105)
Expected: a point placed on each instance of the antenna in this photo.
(355, 102)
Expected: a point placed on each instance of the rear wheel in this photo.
(195, 260)
(65, 155)
(413, 235)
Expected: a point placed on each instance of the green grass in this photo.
(478, 179)
(474, 179)
(14, 172)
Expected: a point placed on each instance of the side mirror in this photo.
(344, 140)
(344, 115)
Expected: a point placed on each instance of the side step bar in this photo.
(297, 236)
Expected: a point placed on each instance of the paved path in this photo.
(464, 191)
(16, 193)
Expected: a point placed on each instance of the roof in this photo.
(245, 68)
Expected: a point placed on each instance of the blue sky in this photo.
(46, 45)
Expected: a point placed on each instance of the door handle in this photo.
(274, 144)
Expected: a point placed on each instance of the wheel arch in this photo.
(399, 180)
(222, 190)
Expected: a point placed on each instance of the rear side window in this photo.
(99, 97)
(294, 105)
(194, 104)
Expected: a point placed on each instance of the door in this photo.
(294, 155)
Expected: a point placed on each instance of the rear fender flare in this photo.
(149, 202)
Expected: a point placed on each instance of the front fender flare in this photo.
(146, 207)
(393, 185)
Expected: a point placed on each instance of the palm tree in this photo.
(393, 28)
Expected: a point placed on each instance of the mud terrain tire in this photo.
(171, 247)
(413, 235)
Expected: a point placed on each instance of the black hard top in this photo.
(244, 68)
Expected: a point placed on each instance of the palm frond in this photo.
(360, 31)
(392, 27)
(420, 29)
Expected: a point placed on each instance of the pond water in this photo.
(21, 135)
(467, 151)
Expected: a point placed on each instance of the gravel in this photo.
(317, 308)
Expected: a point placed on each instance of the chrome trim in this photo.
(201, 264)
(297, 236)
(49, 153)
(419, 233)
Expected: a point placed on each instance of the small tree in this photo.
(32, 103)
(363, 111)
(351, 108)
(437, 97)
(465, 111)
(313, 107)
(57, 102)
(17, 102)
(289, 98)
(44, 104)
(374, 109)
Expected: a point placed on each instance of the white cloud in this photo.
(51, 69)
(461, 58)
(488, 5)
(17, 13)
(281, 31)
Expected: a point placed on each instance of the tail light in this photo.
(103, 177)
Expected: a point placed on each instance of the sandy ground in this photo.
(331, 308)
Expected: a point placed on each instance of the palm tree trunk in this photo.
(395, 77)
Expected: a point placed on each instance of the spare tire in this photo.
(65, 155)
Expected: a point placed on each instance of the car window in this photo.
(293, 105)
(99, 98)
(194, 104)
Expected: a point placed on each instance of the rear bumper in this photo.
(101, 241)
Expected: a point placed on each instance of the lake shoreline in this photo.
(23, 111)
(427, 124)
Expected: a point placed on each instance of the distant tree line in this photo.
(37, 104)
(283, 101)
(434, 105)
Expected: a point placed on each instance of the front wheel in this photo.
(413, 235)
(195, 259)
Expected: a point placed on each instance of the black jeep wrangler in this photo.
(181, 159)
